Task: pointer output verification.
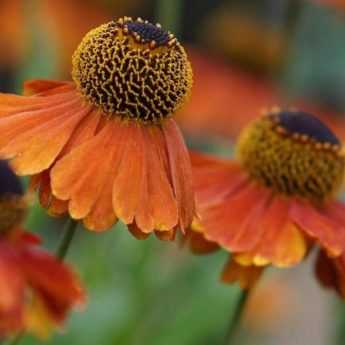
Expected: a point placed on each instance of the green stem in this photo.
(235, 321)
(169, 15)
(69, 232)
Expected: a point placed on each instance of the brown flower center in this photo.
(293, 153)
(133, 69)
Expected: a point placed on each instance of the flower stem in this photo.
(69, 232)
(235, 321)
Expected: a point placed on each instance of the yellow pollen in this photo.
(133, 69)
(294, 154)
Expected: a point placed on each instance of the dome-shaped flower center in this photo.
(133, 69)
(293, 153)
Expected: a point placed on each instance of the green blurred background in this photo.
(156, 293)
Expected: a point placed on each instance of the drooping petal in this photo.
(11, 292)
(214, 178)
(198, 244)
(246, 276)
(136, 232)
(79, 175)
(36, 144)
(281, 242)
(166, 235)
(233, 223)
(318, 224)
(163, 204)
(131, 172)
(181, 173)
(52, 280)
(32, 87)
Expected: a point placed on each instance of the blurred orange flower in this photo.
(105, 146)
(13, 38)
(265, 48)
(277, 199)
(36, 290)
(224, 98)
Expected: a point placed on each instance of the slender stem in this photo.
(69, 232)
(235, 321)
(169, 14)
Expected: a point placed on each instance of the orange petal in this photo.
(53, 280)
(198, 244)
(181, 173)
(233, 223)
(166, 235)
(128, 181)
(157, 209)
(136, 232)
(161, 196)
(85, 130)
(281, 242)
(32, 87)
(79, 175)
(25, 121)
(11, 283)
(102, 215)
(246, 276)
(214, 178)
(40, 151)
(321, 225)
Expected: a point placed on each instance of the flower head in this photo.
(132, 69)
(277, 199)
(105, 147)
(36, 290)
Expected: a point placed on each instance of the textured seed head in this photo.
(133, 69)
(293, 153)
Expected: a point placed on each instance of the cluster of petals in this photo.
(36, 291)
(260, 227)
(98, 168)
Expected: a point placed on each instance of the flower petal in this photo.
(281, 243)
(214, 178)
(32, 87)
(246, 276)
(233, 223)
(321, 225)
(181, 173)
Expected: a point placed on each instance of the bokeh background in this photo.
(247, 55)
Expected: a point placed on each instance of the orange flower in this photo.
(233, 97)
(36, 290)
(277, 199)
(105, 147)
